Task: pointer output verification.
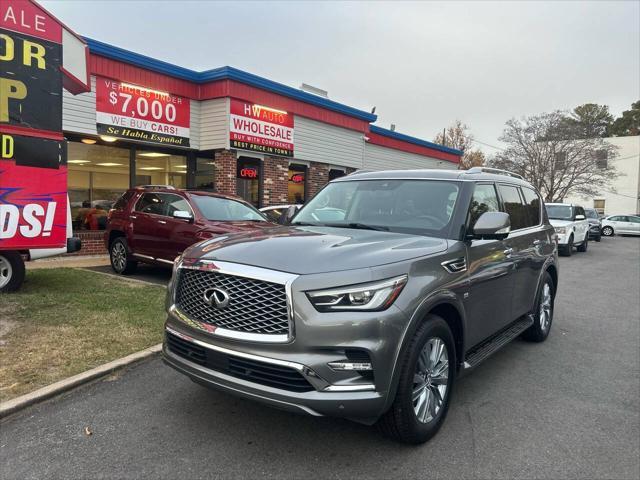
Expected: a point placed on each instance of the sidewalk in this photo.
(69, 262)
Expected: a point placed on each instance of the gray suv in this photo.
(379, 293)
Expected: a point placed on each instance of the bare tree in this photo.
(458, 136)
(554, 158)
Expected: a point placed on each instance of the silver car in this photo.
(622, 224)
(384, 289)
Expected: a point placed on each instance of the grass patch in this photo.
(65, 321)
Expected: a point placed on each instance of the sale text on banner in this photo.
(261, 129)
(33, 171)
(138, 113)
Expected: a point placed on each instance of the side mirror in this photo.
(492, 226)
(580, 217)
(287, 215)
(183, 214)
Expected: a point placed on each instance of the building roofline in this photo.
(222, 73)
(416, 141)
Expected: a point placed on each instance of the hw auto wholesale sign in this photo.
(138, 113)
(261, 129)
(33, 170)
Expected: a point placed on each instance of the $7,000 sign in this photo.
(138, 113)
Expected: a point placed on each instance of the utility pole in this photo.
(444, 137)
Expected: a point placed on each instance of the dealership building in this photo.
(146, 121)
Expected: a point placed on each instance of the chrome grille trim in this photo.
(237, 274)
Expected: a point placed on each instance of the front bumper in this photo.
(365, 406)
(595, 231)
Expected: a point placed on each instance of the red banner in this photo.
(33, 171)
(261, 129)
(139, 113)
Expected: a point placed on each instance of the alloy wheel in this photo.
(5, 271)
(119, 256)
(607, 231)
(545, 310)
(430, 380)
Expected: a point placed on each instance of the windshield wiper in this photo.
(360, 226)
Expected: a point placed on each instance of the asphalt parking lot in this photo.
(567, 408)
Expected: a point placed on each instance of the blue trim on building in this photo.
(222, 73)
(416, 141)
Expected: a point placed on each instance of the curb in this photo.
(18, 403)
(121, 277)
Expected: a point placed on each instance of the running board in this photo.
(488, 348)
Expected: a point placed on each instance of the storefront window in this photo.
(336, 173)
(157, 168)
(204, 175)
(98, 175)
(297, 177)
(248, 180)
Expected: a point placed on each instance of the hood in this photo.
(594, 221)
(223, 227)
(306, 250)
(560, 223)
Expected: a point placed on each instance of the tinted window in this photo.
(421, 207)
(533, 203)
(151, 203)
(484, 200)
(633, 219)
(580, 211)
(123, 200)
(174, 203)
(513, 206)
(591, 213)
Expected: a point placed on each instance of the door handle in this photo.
(132, 217)
(508, 252)
(162, 222)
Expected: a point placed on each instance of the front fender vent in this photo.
(455, 265)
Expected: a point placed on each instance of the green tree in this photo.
(628, 123)
(589, 120)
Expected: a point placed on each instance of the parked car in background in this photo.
(275, 213)
(571, 225)
(595, 224)
(154, 224)
(622, 224)
(418, 277)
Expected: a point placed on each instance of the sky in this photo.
(421, 64)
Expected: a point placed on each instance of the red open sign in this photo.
(297, 178)
(249, 173)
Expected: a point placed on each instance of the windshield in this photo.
(226, 210)
(591, 213)
(559, 212)
(421, 207)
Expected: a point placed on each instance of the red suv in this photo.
(154, 224)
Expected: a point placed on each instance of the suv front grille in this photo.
(255, 306)
(275, 376)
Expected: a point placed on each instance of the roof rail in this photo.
(496, 171)
(167, 187)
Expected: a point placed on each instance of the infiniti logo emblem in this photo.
(216, 297)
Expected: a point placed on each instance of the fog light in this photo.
(359, 366)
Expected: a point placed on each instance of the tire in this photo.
(543, 311)
(584, 245)
(607, 231)
(401, 421)
(11, 271)
(120, 257)
(567, 250)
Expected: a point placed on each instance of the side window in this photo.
(151, 203)
(513, 206)
(533, 204)
(580, 211)
(121, 203)
(633, 219)
(484, 200)
(174, 203)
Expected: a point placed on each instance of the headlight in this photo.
(374, 296)
(562, 230)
